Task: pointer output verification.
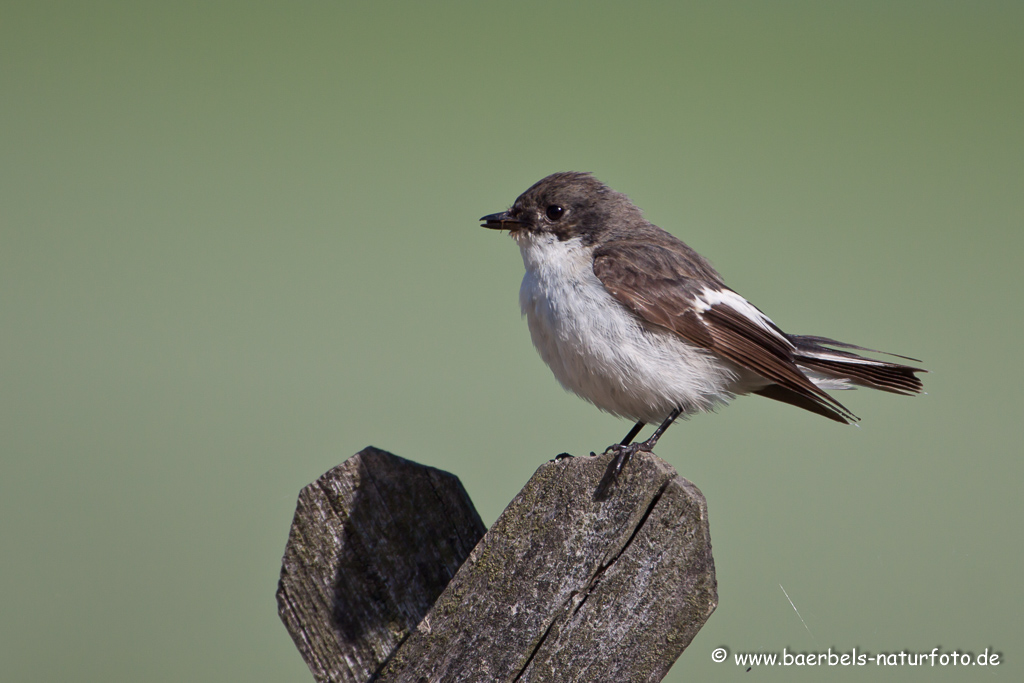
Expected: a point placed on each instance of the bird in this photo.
(631, 319)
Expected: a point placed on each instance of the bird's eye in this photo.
(554, 212)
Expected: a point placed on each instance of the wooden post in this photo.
(373, 543)
(566, 586)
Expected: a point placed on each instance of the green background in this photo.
(238, 243)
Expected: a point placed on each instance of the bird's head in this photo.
(567, 205)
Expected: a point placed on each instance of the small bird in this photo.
(630, 318)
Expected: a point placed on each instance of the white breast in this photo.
(601, 351)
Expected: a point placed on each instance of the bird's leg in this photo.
(648, 446)
(628, 440)
(632, 433)
(626, 450)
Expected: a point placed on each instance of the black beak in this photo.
(500, 221)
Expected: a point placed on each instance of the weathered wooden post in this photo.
(383, 578)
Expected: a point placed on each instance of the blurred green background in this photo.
(238, 243)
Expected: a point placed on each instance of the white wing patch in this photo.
(726, 297)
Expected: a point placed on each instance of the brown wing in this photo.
(657, 283)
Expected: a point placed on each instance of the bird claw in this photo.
(617, 448)
(624, 453)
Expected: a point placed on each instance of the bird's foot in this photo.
(624, 453)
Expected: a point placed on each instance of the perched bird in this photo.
(633, 320)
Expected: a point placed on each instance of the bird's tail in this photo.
(839, 368)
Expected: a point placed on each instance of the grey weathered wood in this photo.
(566, 587)
(373, 543)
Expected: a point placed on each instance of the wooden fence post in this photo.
(566, 586)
